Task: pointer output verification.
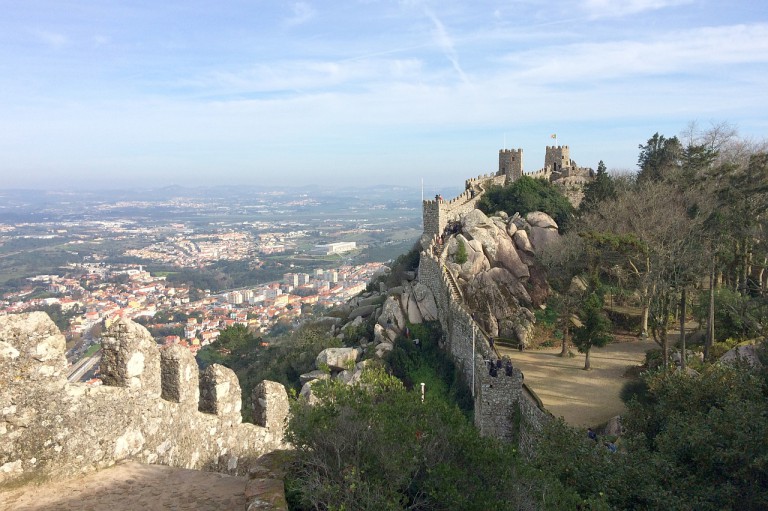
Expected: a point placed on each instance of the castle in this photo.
(558, 169)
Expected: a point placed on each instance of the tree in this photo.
(377, 446)
(598, 190)
(526, 195)
(595, 329)
(566, 260)
(659, 157)
(711, 428)
(461, 253)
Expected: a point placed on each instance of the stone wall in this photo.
(154, 407)
(503, 407)
(437, 213)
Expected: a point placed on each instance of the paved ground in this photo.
(582, 398)
(133, 487)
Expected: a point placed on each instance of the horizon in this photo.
(110, 96)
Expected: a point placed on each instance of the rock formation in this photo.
(500, 279)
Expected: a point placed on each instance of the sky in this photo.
(109, 94)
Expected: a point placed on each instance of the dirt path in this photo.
(582, 398)
(133, 487)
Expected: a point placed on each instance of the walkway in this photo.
(131, 486)
(582, 398)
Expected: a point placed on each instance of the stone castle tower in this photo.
(511, 164)
(558, 159)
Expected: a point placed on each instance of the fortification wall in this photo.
(437, 213)
(154, 407)
(502, 407)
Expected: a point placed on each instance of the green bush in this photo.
(526, 195)
(461, 253)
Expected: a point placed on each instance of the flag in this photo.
(553, 135)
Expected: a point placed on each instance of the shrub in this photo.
(461, 253)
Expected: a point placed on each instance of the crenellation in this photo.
(220, 393)
(130, 357)
(179, 375)
(146, 410)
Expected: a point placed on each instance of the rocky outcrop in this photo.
(337, 359)
(747, 353)
(500, 279)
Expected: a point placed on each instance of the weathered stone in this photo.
(746, 352)
(540, 219)
(511, 228)
(130, 357)
(317, 374)
(307, 394)
(541, 237)
(391, 314)
(364, 311)
(337, 358)
(383, 348)
(507, 257)
(270, 405)
(425, 301)
(477, 226)
(43, 418)
(522, 242)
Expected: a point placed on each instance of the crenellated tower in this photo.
(511, 164)
(558, 159)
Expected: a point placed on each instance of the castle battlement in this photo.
(154, 407)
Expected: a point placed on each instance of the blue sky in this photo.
(103, 93)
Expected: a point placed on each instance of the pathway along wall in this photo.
(503, 407)
(154, 407)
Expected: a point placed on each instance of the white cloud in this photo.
(302, 13)
(53, 39)
(690, 51)
(618, 8)
(445, 43)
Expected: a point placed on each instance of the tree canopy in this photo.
(525, 195)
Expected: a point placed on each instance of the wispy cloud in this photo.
(445, 43)
(302, 12)
(53, 39)
(305, 76)
(619, 8)
(688, 51)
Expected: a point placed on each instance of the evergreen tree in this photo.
(595, 330)
(598, 190)
(659, 157)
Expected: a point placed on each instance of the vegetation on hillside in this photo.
(526, 195)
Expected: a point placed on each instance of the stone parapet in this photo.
(153, 408)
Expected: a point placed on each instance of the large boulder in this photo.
(425, 301)
(541, 237)
(409, 305)
(746, 352)
(476, 258)
(540, 219)
(507, 257)
(481, 228)
(392, 314)
(337, 358)
(522, 242)
(495, 295)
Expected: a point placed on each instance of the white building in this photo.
(334, 248)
